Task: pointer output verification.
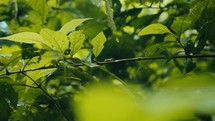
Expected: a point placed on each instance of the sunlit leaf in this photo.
(10, 60)
(100, 101)
(154, 29)
(38, 62)
(167, 103)
(71, 25)
(76, 41)
(25, 37)
(55, 40)
(98, 43)
(41, 7)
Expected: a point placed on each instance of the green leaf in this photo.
(55, 40)
(44, 60)
(5, 110)
(190, 65)
(71, 25)
(180, 24)
(198, 8)
(98, 43)
(7, 92)
(25, 37)
(88, 60)
(76, 41)
(41, 7)
(154, 29)
(157, 49)
(11, 60)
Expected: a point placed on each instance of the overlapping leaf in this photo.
(41, 7)
(76, 41)
(98, 43)
(55, 40)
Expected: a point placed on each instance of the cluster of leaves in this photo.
(52, 49)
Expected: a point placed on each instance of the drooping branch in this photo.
(111, 61)
(48, 95)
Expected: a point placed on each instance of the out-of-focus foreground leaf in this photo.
(178, 99)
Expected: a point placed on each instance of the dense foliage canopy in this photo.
(149, 60)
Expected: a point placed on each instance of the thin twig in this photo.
(49, 96)
(26, 64)
(154, 58)
(116, 61)
(25, 85)
(28, 70)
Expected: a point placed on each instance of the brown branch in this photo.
(116, 61)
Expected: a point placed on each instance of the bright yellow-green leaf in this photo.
(41, 7)
(45, 60)
(154, 29)
(71, 25)
(76, 41)
(55, 40)
(98, 43)
(25, 37)
(108, 104)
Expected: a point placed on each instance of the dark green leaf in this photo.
(7, 92)
(5, 110)
(190, 65)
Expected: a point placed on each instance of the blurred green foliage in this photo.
(53, 51)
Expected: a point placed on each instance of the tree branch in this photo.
(25, 85)
(116, 61)
(154, 58)
(49, 96)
